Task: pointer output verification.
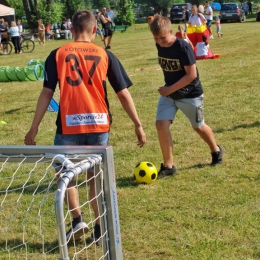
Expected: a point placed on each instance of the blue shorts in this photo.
(209, 23)
(191, 107)
(80, 139)
(99, 31)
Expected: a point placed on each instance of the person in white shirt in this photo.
(196, 18)
(111, 14)
(14, 32)
(202, 48)
(209, 18)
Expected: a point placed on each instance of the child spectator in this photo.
(217, 22)
(41, 33)
(202, 48)
(183, 35)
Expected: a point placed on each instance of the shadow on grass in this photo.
(255, 124)
(12, 111)
(126, 182)
(130, 181)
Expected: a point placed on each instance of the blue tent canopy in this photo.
(216, 6)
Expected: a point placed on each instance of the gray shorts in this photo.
(191, 107)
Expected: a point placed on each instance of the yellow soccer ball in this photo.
(145, 173)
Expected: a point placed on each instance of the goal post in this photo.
(77, 160)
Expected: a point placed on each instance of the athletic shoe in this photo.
(164, 171)
(211, 37)
(108, 47)
(78, 229)
(217, 157)
(96, 235)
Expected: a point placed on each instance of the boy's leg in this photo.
(165, 140)
(166, 111)
(193, 109)
(206, 133)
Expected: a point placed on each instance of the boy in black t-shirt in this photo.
(182, 90)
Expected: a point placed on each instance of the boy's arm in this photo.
(42, 105)
(191, 74)
(127, 102)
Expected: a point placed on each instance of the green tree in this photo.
(73, 5)
(53, 14)
(125, 12)
(18, 6)
(98, 4)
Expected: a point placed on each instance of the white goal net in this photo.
(32, 211)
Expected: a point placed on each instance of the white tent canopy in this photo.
(5, 10)
(7, 13)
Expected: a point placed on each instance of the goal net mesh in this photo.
(29, 226)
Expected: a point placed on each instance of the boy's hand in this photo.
(165, 91)
(29, 139)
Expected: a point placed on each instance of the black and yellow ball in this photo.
(145, 173)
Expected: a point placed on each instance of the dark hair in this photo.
(205, 39)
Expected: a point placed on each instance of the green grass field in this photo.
(203, 212)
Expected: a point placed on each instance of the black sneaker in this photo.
(164, 171)
(96, 235)
(78, 229)
(217, 157)
(108, 47)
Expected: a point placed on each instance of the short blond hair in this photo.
(160, 24)
(13, 24)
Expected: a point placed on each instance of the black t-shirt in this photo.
(105, 25)
(63, 27)
(172, 61)
(116, 75)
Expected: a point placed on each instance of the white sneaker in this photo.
(211, 37)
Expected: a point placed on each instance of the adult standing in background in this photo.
(209, 18)
(106, 26)
(197, 23)
(4, 27)
(111, 14)
(245, 7)
(249, 7)
(185, 16)
(14, 32)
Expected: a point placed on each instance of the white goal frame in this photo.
(110, 243)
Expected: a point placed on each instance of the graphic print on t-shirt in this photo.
(169, 65)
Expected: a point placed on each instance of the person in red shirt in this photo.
(81, 69)
(48, 32)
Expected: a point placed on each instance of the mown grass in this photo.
(203, 212)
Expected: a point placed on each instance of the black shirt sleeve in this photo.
(116, 74)
(51, 75)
